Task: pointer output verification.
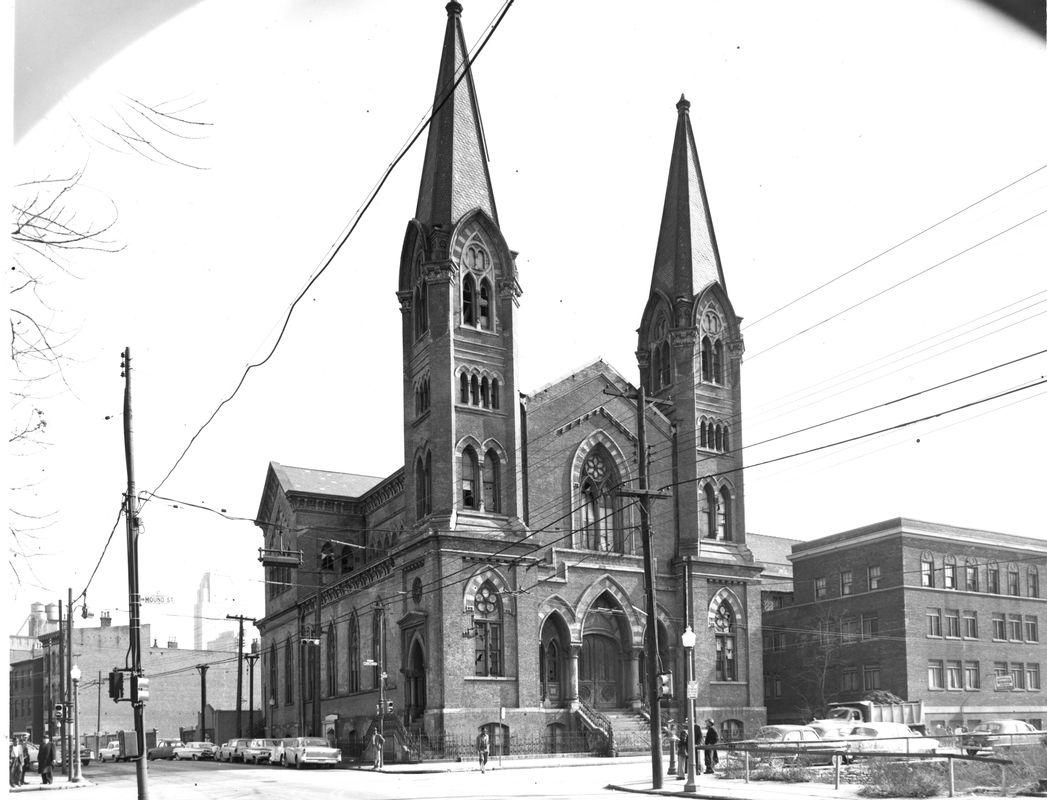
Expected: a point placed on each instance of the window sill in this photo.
(493, 678)
(470, 407)
(422, 416)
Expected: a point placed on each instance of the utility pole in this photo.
(240, 672)
(133, 596)
(67, 761)
(98, 723)
(252, 657)
(61, 680)
(644, 496)
(316, 660)
(203, 702)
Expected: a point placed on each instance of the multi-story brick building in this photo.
(496, 579)
(946, 615)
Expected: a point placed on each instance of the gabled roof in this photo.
(321, 481)
(455, 178)
(686, 259)
(772, 552)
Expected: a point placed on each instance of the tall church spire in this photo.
(455, 178)
(686, 260)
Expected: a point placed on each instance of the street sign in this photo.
(1004, 683)
(692, 690)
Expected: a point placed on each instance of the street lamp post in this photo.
(74, 673)
(688, 639)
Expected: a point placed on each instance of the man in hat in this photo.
(45, 761)
(711, 738)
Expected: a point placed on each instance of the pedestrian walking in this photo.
(483, 749)
(682, 752)
(24, 765)
(15, 770)
(377, 747)
(45, 761)
(711, 738)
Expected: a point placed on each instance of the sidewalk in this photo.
(713, 787)
(516, 762)
(34, 784)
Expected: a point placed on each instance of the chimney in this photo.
(105, 620)
(172, 643)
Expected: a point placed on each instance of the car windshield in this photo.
(314, 743)
(989, 727)
(865, 732)
(769, 734)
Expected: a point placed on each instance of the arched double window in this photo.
(332, 661)
(421, 300)
(492, 488)
(661, 371)
(327, 557)
(712, 348)
(481, 489)
(423, 485)
(726, 638)
(477, 290)
(477, 390)
(487, 626)
(470, 498)
(601, 528)
(715, 513)
(354, 654)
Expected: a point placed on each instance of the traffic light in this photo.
(665, 685)
(139, 688)
(389, 706)
(59, 712)
(116, 685)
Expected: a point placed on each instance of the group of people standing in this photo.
(21, 761)
(707, 740)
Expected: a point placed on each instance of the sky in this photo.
(828, 133)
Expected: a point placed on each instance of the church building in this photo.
(496, 580)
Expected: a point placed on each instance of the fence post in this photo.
(836, 770)
(746, 765)
(952, 777)
(1003, 779)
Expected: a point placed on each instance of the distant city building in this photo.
(209, 623)
(225, 642)
(950, 616)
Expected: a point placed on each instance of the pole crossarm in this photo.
(653, 494)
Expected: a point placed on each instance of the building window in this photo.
(849, 632)
(971, 570)
(327, 557)
(1014, 627)
(972, 675)
(332, 662)
(474, 390)
(777, 641)
(999, 670)
(952, 623)
(492, 493)
(871, 677)
(723, 515)
(1034, 582)
(970, 625)
(1013, 584)
(288, 672)
(953, 675)
(992, 579)
(485, 304)
(849, 680)
(485, 392)
(870, 626)
(1032, 677)
(949, 573)
(487, 611)
(423, 479)
(927, 570)
(935, 675)
(845, 582)
(463, 388)
(821, 589)
(707, 511)
(934, 622)
(874, 577)
(494, 393)
(274, 675)
(469, 301)
(999, 627)
(724, 631)
(600, 524)
(1032, 629)
(1018, 675)
(354, 654)
(469, 468)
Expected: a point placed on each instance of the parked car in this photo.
(276, 750)
(1001, 733)
(233, 750)
(302, 751)
(194, 751)
(258, 751)
(111, 752)
(165, 749)
(87, 755)
(807, 745)
(890, 737)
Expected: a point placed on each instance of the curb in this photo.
(53, 787)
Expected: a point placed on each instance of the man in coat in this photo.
(377, 749)
(711, 738)
(46, 760)
(483, 749)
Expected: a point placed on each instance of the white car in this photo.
(890, 737)
(258, 751)
(194, 751)
(231, 750)
(1001, 733)
(302, 751)
(111, 752)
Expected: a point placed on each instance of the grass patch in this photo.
(901, 779)
(785, 774)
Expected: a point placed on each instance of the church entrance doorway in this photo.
(414, 683)
(598, 668)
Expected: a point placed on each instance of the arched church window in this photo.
(421, 300)
(419, 488)
(494, 393)
(725, 634)
(552, 663)
(288, 671)
(474, 390)
(354, 654)
(327, 557)
(723, 515)
(487, 620)
(468, 300)
(656, 369)
(428, 484)
(707, 511)
(712, 348)
(492, 490)
(485, 304)
(332, 661)
(726, 439)
(718, 444)
(463, 389)
(703, 435)
(718, 361)
(599, 505)
(707, 359)
(469, 468)
(485, 392)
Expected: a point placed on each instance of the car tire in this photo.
(298, 763)
(196, 757)
(971, 752)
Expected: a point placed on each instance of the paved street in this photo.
(553, 779)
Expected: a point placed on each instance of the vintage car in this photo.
(304, 751)
(111, 752)
(1001, 733)
(164, 749)
(194, 751)
(890, 737)
(806, 745)
(231, 750)
(258, 751)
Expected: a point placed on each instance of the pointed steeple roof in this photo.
(455, 178)
(686, 260)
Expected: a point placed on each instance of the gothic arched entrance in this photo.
(553, 647)
(414, 683)
(602, 659)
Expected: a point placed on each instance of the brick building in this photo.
(950, 616)
(174, 701)
(497, 577)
